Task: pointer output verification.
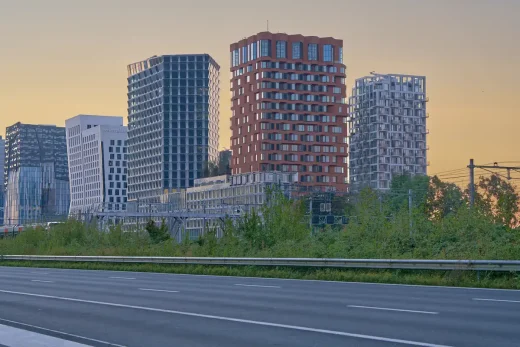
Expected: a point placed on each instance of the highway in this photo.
(72, 308)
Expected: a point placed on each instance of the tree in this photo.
(157, 234)
(443, 199)
(221, 167)
(500, 199)
(399, 187)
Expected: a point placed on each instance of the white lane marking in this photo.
(270, 278)
(229, 319)
(392, 309)
(256, 285)
(122, 278)
(497, 300)
(15, 337)
(39, 273)
(60, 332)
(42, 281)
(159, 290)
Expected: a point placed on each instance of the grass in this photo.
(410, 277)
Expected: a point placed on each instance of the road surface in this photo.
(39, 307)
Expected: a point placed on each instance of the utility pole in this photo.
(471, 167)
(410, 210)
(310, 212)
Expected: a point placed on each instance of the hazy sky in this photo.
(60, 58)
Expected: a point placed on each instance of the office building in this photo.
(2, 161)
(288, 107)
(173, 115)
(387, 129)
(36, 178)
(97, 156)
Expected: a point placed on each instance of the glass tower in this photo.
(173, 113)
(36, 177)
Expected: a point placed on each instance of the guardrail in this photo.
(465, 265)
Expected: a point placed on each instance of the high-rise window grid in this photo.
(187, 128)
(387, 129)
(275, 89)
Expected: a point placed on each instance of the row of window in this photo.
(304, 87)
(262, 48)
(300, 117)
(292, 107)
(292, 157)
(298, 77)
(297, 97)
(299, 148)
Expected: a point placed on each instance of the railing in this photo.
(464, 265)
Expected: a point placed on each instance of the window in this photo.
(297, 50)
(341, 54)
(235, 58)
(244, 54)
(281, 49)
(265, 48)
(328, 53)
(253, 50)
(312, 51)
(112, 143)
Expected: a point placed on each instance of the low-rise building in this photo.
(234, 194)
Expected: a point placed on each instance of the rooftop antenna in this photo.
(268, 25)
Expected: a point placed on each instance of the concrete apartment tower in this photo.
(173, 123)
(288, 108)
(387, 129)
(2, 195)
(97, 157)
(36, 176)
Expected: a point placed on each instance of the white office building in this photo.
(97, 156)
(387, 125)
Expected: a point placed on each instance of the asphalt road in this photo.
(101, 308)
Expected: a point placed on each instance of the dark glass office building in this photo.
(36, 176)
(173, 115)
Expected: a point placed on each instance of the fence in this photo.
(464, 265)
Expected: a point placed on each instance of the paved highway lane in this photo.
(147, 309)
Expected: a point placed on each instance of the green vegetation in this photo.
(439, 225)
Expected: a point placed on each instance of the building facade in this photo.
(97, 157)
(387, 129)
(36, 178)
(232, 194)
(173, 117)
(2, 195)
(289, 112)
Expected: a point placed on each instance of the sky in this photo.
(60, 58)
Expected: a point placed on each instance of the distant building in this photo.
(232, 194)
(36, 178)
(387, 129)
(97, 155)
(289, 109)
(224, 160)
(173, 117)
(2, 195)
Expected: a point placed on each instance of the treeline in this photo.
(436, 223)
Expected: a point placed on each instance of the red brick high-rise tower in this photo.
(288, 107)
